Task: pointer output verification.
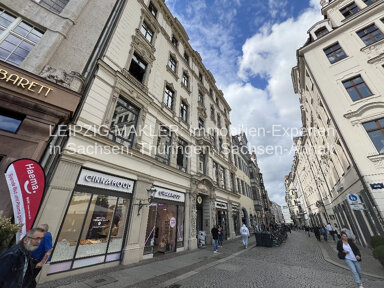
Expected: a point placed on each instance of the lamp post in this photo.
(151, 195)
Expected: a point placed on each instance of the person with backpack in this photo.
(348, 251)
(244, 235)
(324, 232)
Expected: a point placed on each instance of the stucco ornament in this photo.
(62, 78)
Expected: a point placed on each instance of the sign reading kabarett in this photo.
(26, 184)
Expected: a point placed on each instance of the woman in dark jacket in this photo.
(351, 254)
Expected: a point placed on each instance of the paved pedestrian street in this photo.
(299, 262)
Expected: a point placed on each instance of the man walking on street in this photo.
(16, 267)
(215, 237)
(331, 230)
(244, 234)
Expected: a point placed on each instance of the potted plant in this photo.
(7, 232)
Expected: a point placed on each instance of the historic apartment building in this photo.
(45, 49)
(339, 76)
(146, 162)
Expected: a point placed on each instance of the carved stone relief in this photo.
(72, 80)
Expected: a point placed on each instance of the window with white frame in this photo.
(172, 63)
(152, 9)
(184, 111)
(147, 32)
(17, 38)
(185, 80)
(168, 97)
(53, 5)
(138, 67)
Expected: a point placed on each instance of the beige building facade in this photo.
(339, 78)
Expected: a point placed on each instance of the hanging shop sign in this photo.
(105, 181)
(355, 202)
(221, 205)
(375, 186)
(167, 194)
(26, 184)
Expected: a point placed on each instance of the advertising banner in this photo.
(26, 184)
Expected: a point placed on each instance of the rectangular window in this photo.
(10, 121)
(202, 164)
(218, 120)
(214, 143)
(233, 183)
(211, 92)
(200, 77)
(54, 5)
(168, 97)
(184, 111)
(185, 80)
(147, 32)
(93, 225)
(212, 112)
(216, 172)
(334, 53)
(220, 144)
(201, 98)
(370, 34)
(152, 9)
(124, 123)
(138, 67)
(174, 41)
(201, 123)
(369, 2)
(222, 177)
(349, 10)
(182, 156)
(172, 63)
(238, 186)
(17, 38)
(186, 58)
(164, 145)
(375, 130)
(357, 88)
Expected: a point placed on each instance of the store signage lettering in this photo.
(377, 186)
(107, 181)
(24, 83)
(221, 205)
(167, 194)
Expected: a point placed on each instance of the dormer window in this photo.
(321, 32)
(349, 10)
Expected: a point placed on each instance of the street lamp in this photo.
(151, 195)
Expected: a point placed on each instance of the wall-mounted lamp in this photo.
(151, 195)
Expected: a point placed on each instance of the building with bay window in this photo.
(339, 76)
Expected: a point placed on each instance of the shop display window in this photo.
(165, 228)
(93, 228)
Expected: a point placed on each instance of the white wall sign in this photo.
(105, 181)
(355, 202)
(221, 205)
(163, 193)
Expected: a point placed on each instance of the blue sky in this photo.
(250, 48)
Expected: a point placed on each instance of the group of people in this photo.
(324, 231)
(217, 236)
(20, 264)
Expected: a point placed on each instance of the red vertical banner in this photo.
(26, 183)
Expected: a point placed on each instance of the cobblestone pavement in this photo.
(297, 263)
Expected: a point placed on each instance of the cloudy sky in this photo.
(250, 47)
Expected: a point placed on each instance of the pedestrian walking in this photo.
(306, 228)
(220, 232)
(215, 237)
(324, 233)
(42, 253)
(316, 230)
(244, 235)
(16, 267)
(331, 231)
(349, 233)
(348, 251)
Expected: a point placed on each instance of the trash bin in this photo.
(267, 240)
(201, 239)
(259, 239)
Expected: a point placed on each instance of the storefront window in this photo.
(94, 224)
(180, 226)
(69, 234)
(165, 228)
